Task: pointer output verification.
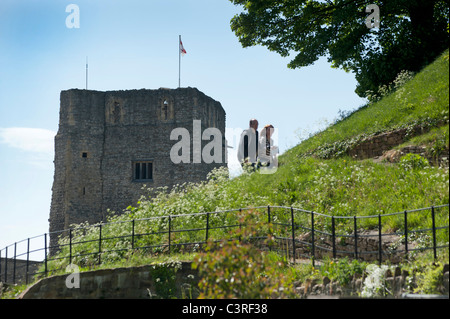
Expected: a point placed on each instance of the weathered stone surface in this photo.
(381, 146)
(396, 280)
(124, 283)
(367, 244)
(101, 135)
(21, 271)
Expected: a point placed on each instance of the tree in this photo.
(412, 34)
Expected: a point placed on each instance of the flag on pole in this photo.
(182, 50)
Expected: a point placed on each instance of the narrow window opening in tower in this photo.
(166, 109)
(143, 171)
(137, 170)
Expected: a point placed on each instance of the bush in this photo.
(342, 270)
(237, 269)
(413, 161)
(430, 279)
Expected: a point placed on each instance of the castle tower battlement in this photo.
(109, 144)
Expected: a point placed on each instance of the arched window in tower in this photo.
(116, 112)
(165, 110)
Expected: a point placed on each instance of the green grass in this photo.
(424, 99)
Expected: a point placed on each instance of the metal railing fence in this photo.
(300, 234)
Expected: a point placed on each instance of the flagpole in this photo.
(86, 73)
(179, 61)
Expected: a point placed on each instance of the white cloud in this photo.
(34, 140)
(39, 143)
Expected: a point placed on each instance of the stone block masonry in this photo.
(110, 144)
(399, 283)
(142, 282)
(381, 145)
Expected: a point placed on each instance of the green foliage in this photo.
(410, 36)
(439, 142)
(413, 161)
(420, 103)
(164, 276)
(342, 270)
(429, 279)
(436, 141)
(402, 78)
(237, 269)
(340, 187)
(11, 291)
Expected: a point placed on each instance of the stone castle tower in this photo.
(109, 144)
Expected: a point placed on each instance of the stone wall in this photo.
(144, 282)
(394, 156)
(367, 245)
(376, 145)
(381, 145)
(397, 281)
(18, 275)
(181, 281)
(102, 135)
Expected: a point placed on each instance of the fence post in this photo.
(6, 264)
(406, 233)
(271, 233)
(380, 247)
(333, 234)
(170, 226)
(100, 244)
(1, 265)
(70, 246)
(207, 227)
(356, 236)
(132, 236)
(434, 232)
(28, 261)
(240, 225)
(313, 248)
(293, 235)
(45, 255)
(14, 267)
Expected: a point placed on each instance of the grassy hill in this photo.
(315, 175)
(421, 101)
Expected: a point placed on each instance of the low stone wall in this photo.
(176, 280)
(18, 275)
(397, 282)
(180, 281)
(393, 156)
(367, 245)
(376, 145)
(381, 145)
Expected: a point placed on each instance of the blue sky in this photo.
(133, 44)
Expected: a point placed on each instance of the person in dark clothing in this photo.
(248, 145)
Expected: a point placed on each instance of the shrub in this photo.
(342, 270)
(238, 269)
(413, 161)
(429, 279)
